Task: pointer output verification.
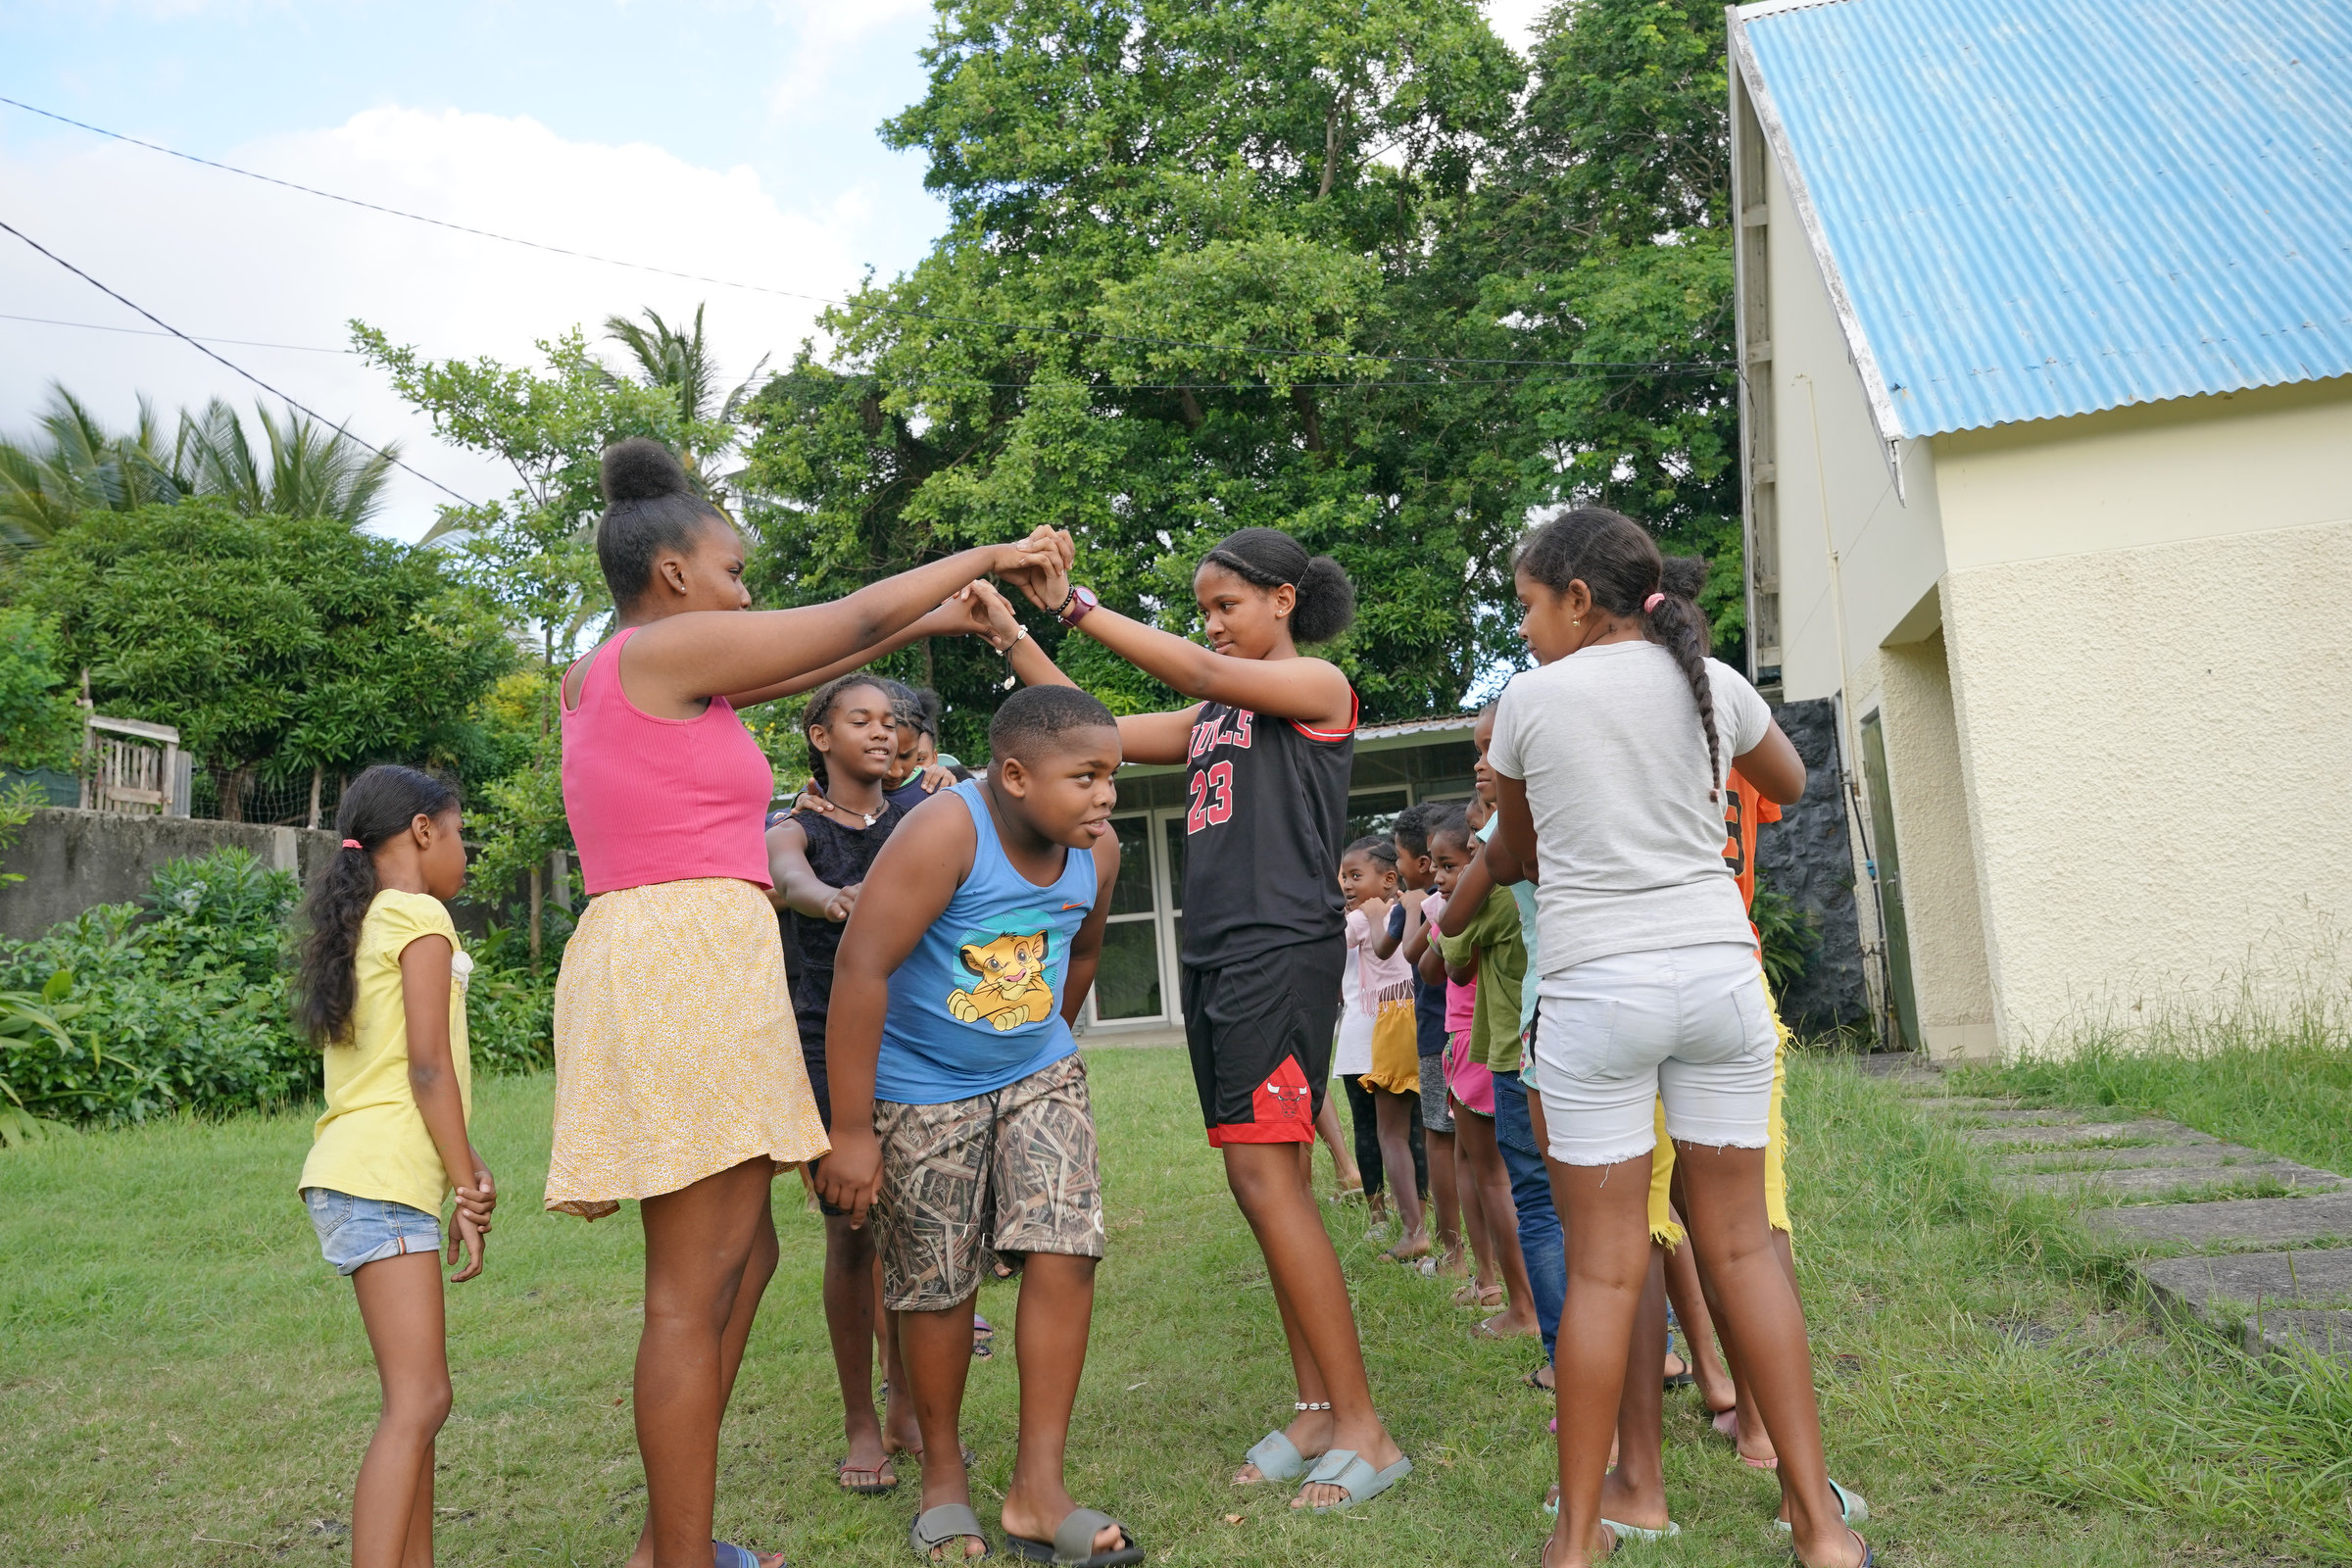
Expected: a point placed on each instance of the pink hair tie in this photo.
(353, 844)
(1650, 606)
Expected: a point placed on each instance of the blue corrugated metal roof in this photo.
(2042, 208)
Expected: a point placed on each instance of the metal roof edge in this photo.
(1773, 8)
(1775, 136)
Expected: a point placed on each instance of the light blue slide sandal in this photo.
(1351, 1473)
(1277, 1458)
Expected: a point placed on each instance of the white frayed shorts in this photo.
(1689, 1025)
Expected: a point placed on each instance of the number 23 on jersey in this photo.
(1212, 797)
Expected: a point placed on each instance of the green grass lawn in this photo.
(2278, 1079)
(182, 1382)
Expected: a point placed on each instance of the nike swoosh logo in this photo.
(1074, 906)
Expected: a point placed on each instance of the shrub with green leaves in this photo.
(40, 724)
(180, 1003)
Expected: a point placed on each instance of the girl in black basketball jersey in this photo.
(1270, 745)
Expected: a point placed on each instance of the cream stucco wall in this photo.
(1949, 976)
(2152, 697)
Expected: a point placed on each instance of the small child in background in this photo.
(1448, 836)
(1350, 1060)
(381, 989)
(1408, 931)
(1376, 1022)
(1479, 934)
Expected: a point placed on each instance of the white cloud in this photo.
(217, 255)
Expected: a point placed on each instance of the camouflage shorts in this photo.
(1015, 1172)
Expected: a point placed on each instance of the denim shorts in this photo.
(1691, 1026)
(353, 1232)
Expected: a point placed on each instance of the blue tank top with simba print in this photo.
(978, 1004)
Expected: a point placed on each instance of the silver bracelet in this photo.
(1018, 632)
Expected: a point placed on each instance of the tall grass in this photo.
(2269, 1069)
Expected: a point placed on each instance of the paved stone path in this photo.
(2273, 1270)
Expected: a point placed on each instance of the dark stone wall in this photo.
(1807, 857)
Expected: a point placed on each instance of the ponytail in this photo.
(1619, 565)
(379, 804)
(1270, 558)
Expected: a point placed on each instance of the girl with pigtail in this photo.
(1268, 741)
(381, 989)
(1610, 759)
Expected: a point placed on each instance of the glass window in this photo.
(1373, 811)
(1131, 894)
(1127, 985)
(1175, 836)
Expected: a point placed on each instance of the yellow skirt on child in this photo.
(1396, 1048)
(676, 1057)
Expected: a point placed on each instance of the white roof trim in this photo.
(1775, 136)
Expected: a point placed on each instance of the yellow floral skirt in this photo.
(675, 1052)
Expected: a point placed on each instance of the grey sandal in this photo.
(1277, 1458)
(936, 1527)
(1073, 1544)
(1345, 1469)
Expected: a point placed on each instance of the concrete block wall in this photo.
(71, 860)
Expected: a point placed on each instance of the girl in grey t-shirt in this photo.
(1610, 759)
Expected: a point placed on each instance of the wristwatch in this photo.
(1076, 603)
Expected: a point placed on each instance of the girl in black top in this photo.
(1270, 743)
(818, 858)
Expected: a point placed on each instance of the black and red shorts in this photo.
(1261, 1032)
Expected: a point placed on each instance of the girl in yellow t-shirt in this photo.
(382, 990)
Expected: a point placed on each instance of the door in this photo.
(1888, 874)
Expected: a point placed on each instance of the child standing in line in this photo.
(1377, 1010)
(1479, 934)
(1462, 1081)
(1612, 757)
(959, 1104)
(1407, 928)
(1267, 742)
(819, 858)
(382, 988)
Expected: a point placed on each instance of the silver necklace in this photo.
(867, 818)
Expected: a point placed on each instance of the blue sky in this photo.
(731, 139)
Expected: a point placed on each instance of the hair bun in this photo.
(1326, 602)
(1683, 576)
(639, 468)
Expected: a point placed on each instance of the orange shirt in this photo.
(1743, 812)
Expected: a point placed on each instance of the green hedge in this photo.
(178, 1004)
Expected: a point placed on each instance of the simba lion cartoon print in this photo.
(1012, 988)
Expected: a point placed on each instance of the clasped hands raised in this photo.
(1042, 576)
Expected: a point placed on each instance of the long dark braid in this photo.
(1619, 565)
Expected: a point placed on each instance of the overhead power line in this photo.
(193, 337)
(1264, 351)
(203, 349)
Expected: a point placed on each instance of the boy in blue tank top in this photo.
(960, 1115)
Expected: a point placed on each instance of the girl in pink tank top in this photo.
(678, 1073)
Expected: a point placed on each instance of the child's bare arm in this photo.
(1469, 897)
(797, 887)
(1384, 944)
(1431, 962)
(424, 986)
(912, 879)
(1086, 948)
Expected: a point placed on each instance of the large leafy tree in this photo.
(1188, 243)
(1602, 236)
(276, 645)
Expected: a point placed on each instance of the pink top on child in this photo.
(660, 800)
(1461, 1000)
(1378, 980)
